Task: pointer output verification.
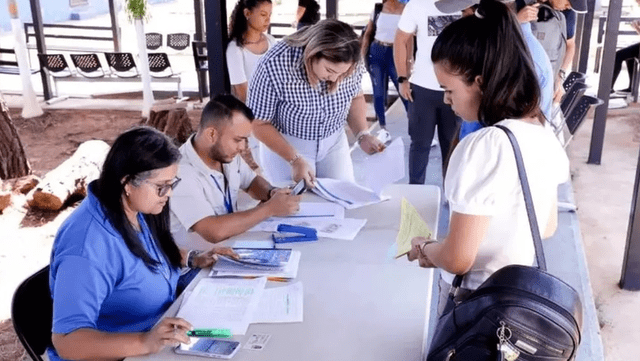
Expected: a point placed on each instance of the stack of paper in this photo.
(280, 305)
(225, 268)
(346, 194)
(223, 303)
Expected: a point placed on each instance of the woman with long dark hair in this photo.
(248, 41)
(114, 264)
(485, 69)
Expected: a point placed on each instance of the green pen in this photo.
(210, 332)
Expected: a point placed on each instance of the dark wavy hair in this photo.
(238, 23)
(490, 45)
(135, 154)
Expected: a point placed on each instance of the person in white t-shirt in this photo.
(423, 20)
(248, 42)
(204, 206)
(483, 65)
(377, 51)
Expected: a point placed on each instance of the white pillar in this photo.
(30, 107)
(147, 94)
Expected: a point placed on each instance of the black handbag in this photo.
(518, 313)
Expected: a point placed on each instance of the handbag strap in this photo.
(528, 200)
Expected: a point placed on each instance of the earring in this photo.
(127, 194)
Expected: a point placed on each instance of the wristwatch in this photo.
(402, 79)
(191, 256)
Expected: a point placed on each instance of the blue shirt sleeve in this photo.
(78, 293)
(570, 15)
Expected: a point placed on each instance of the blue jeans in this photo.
(381, 67)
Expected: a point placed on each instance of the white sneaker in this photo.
(434, 142)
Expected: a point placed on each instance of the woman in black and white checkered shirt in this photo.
(303, 92)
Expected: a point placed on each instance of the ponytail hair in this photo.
(490, 44)
(238, 24)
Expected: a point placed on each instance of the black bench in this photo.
(10, 66)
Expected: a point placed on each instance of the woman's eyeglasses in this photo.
(163, 189)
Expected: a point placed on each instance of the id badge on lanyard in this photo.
(226, 193)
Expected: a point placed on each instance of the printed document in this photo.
(347, 194)
(223, 303)
(280, 305)
(384, 168)
(411, 225)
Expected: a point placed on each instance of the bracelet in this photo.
(295, 157)
(190, 257)
(421, 248)
(361, 134)
(562, 74)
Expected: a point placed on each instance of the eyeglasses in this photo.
(163, 189)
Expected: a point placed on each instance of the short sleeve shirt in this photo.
(97, 282)
(280, 93)
(241, 62)
(422, 18)
(201, 194)
(570, 16)
(482, 179)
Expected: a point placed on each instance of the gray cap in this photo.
(454, 6)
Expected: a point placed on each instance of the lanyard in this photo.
(226, 195)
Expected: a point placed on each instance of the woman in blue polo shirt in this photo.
(114, 265)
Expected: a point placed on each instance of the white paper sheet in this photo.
(309, 212)
(223, 269)
(223, 303)
(384, 168)
(346, 228)
(280, 305)
(346, 194)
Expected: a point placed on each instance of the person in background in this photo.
(115, 251)
(303, 93)
(248, 41)
(483, 65)
(558, 39)
(628, 55)
(542, 65)
(377, 51)
(204, 207)
(308, 13)
(426, 108)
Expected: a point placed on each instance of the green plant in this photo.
(137, 9)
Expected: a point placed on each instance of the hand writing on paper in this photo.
(170, 331)
(283, 203)
(417, 252)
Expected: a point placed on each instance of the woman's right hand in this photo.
(300, 169)
(170, 331)
(405, 90)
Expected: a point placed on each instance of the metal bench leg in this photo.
(179, 89)
(635, 80)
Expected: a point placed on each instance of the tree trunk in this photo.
(174, 122)
(13, 161)
(70, 178)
